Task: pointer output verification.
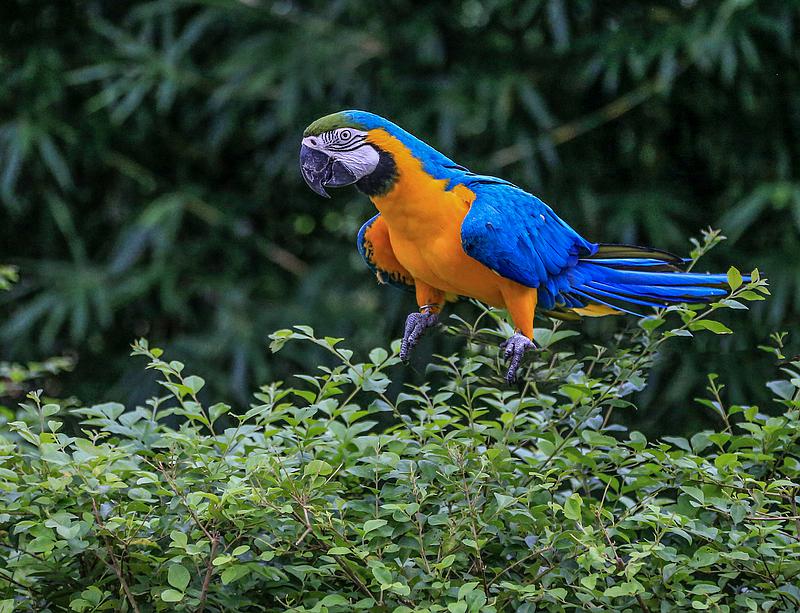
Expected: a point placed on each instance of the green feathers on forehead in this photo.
(331, 122)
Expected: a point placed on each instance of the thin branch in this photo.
(775, 517)
(618, 561)
(168, 478)
(283, 258)
(4, 577)
(209, 572)
(473, 527)
(114, 565)
(308, 529)
(522, 560)
(573, 129)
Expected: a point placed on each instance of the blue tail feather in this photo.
(595, 300)
(620, 275)
(611, 293)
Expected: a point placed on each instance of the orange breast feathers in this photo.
(379, 251)
(424, 220)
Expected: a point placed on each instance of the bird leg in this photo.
(513, 349)
(430, 301)
(416, 324)
(521, 304)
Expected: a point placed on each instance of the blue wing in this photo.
(520, 238)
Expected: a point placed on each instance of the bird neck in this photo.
(381, 180)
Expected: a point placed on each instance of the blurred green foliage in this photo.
(149, 184)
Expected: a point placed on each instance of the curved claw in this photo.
(416, 324)
(513, 349)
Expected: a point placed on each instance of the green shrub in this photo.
(341, 494)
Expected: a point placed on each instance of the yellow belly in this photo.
(439, 260)
(424, 222)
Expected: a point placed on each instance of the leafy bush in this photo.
(340, 494)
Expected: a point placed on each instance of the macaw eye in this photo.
(345, 134)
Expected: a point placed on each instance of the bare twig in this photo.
(618, 561)
(774, 518)
(308, 529)
(283, 258)
(5, 577)
(537, 553)
(209, 572)
(114, 565)
(171, 481)
(473, 527)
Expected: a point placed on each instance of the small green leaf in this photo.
(651, 323)
(627, 588)
(194, 383)
(504, 501)
(378, 355)
(334, 600)
(589, 582)
(438, 520)
(382, 574)
(716, 327)
(178, 577)
(572, 507)
(465, 589)
(695, 492)
(171, 596)
(738, 512)
(50, 409)
(726, 460)
(734, 278)
(317, 467)
(179, 538)
(374, 524)
(233, 573)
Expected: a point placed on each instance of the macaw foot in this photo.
(416, 324)
(513, 349)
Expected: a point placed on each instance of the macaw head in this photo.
(336, 151)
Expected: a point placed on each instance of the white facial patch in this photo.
(348, 146)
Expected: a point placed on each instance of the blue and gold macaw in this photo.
(446, 232)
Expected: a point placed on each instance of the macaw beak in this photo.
(320, 171)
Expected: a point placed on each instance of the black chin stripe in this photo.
(381, 180)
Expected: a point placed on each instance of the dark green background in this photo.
(149, 182)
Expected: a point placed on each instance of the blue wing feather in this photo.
(519, 237)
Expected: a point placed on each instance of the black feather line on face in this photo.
(381, 180)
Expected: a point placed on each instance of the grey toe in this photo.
(416, 324)
(513, 350)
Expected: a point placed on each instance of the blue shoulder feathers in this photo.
(521, 238)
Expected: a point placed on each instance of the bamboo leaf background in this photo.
(149, 183)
